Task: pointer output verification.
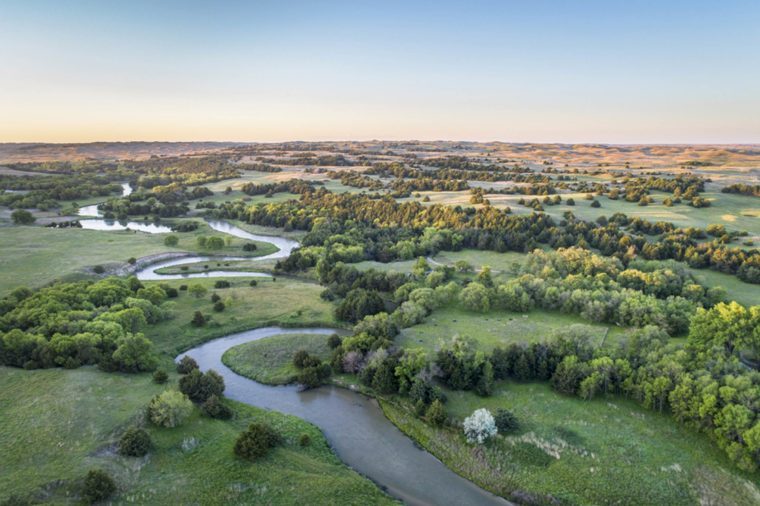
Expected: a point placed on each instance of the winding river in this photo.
(98, 223)
(355, 427)
(353, 423)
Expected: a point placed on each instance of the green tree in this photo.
(171, 240)
(169, 409)
(22, 217)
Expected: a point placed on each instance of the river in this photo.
(355, 427)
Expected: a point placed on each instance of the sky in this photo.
(614, 71)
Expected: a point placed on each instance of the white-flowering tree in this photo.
(479, 426)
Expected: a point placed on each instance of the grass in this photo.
(605, 451)
(746, 294)
(288, 302)
(495, 328)
(57, 424)
(270, 360)
(211, 265)
(35, 256)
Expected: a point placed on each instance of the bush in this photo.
(313, 376)
(334, 341)
(253, 282)
(98, 486)
(436, 413)
(300, 357)
(249, 246)
(22, 217)
(131, 260)
(506, 421)
(479, 426)
(171, 240)
(215, 408)
(200, 386)
(169, 409)
(219, 306)
(198, 319)
(98, 269)
(135, 442)
(215, 297)
(256, 441)
(197, 290)
(304, 440)
(186, 365)
(160, 377)
(182, 288)
(222, 283)
(596, 204)
(172, 293)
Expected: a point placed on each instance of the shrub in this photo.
(98, 269)
(171, 240)
(135, 442)
(215, 297)
(200, 386)
(300, 358)
(186, 365)
(169, 409)
(22, 217)
(134, 353)
(132, 261)
(479, 426)
(172, 293)
(219, 306)
(313, 376)
(222, 283)
(98, 486)
(253, 282)
(198, 319)
(304, 439)
(182, 288)
(596, 204)
(256, 441)
(160, 377)
(249, 246)
(436, 413)
(215, 408)
(334, 341)
(505, 421)
(197, 290)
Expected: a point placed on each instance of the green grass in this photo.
(227, 265)
(287, 302)
(35, 256)
(57, 424)
(608, 451)
(270, 360)
(496, 328)
(501, 262)
(746, 294)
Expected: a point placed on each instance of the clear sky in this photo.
(618, 71)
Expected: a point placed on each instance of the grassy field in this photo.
(746, 294)
(57, 424)
(605, 451)
(496, 328)
(35, 256)
(286, 302)
(270, 360)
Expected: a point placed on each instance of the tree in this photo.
(22, 217)
(436, 413)
(475, 297)
(160, 377)
(479, 426)
(215, 408)
(197, 290)
(169, 409)
(215, 243)
(186, 365)
(505, 421)
(359, 303)
(334, 341)
(256, 441)
(135, 442)
(198, 319)
(171, 240)
(219, 306)
(134, 353)
(98, 486)
(200, 386)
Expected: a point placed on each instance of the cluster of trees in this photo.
(73, 324)
(295, 186)
(45, 192)
(743, 189)
(485, 228)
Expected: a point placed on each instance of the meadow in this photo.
(57, 424)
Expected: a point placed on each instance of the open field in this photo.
(35, 256)
(286, 302)
(605, 451)
(496, 328)
(270, 360)
(57, 424)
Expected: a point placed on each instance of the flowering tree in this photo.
(479, 426)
